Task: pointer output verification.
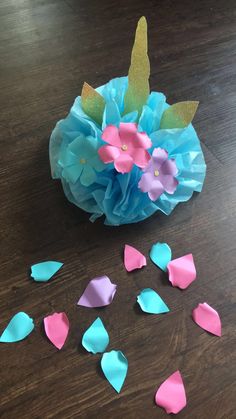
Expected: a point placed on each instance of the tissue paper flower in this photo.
(123, 152)
(127, 147)
(159, 175)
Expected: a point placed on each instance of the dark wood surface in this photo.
(48, 48)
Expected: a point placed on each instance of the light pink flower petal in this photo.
(127, 131)
(159, 156)
(156, 190)
(171, 394)
(111, 135)
(145, 183)
(133, 259)
(108, 153)
(142, 140)
(182, 271)
(169, 168)
(207, 318)
(56, 328)
(169, 183)
(99, 293)
(141, 157)
(124, 163)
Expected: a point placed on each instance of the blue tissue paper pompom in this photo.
(97, 187)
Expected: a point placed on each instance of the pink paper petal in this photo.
(98, 293)
(171, 394)
(124, 163)
(141, 157)
(108, 153)
(207, 318)
(56, 328)
(142, 140)
(182, 271)
(111, 135)
(133, 259)
(127, 132)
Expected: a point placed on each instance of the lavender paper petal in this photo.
(98, 293)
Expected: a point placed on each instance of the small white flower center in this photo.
(82, 161)
(156, 173)
(124, 147)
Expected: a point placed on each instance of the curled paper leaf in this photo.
(20, 326)
(207, 318)
(57, 328)
(92, 103)
(99, 293)
(179, 115)
(171, 394)
(133, 259)
(43, 271)
(160, 254)
(151, 302)
(96, 338)
(182, 271)
(139, 71)
(115, 366)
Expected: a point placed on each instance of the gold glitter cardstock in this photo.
(139, 71)
(179, 115)
(92, 103)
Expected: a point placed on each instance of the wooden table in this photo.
(48, 49)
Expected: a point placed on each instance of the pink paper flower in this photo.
(159, 175)
(126, 147)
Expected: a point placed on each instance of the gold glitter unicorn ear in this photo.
(179, 115)
(139, 71)
(92, 103)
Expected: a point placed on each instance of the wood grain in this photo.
(48, 48)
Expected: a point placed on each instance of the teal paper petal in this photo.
(43, 271)
(151, 302)
(96, 338)
(160, 254)
(20, 326)
(115, 366)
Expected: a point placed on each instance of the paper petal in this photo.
(171, 394)
(99, 293)
(96, 338)
(92, 103)
(151, 302)
(139, 71)
(179, 115)
(207, 318)
(160, 254)
(43, 271)
(20, 326)
(133, 259)
(182, 271)
(57, 328)
(115, 366)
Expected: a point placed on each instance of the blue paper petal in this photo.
(20, 326)
(115, 366)
(96, 338)
(151, 302)
(43, 271)
(160, 254)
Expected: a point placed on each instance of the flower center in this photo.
(124, 147)
(156, 173)
(82, 161)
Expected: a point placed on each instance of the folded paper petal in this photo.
(182, 271)
(115, 367)
(57, 328)
(151, 302)
(111, 135)
(171, 394)
(96, 338)
(108, 153)
(160, 254)
(133, 259)
(141, 157)
(207, 318)
(124, 163)
(20, 326)
(99, 293)
(43, 271)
